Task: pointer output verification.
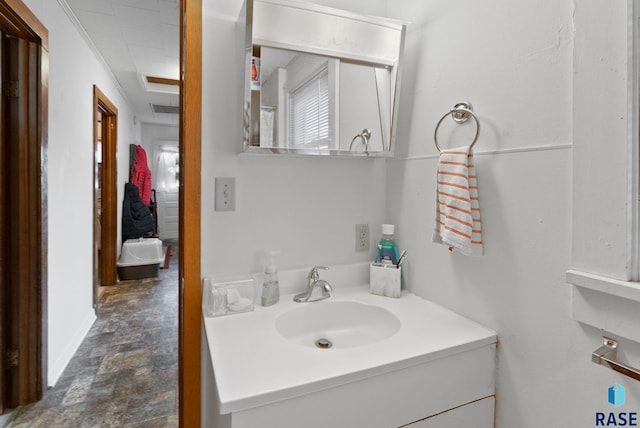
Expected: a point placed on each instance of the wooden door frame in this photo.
(16, 19)
(109, 233)
(190, 294)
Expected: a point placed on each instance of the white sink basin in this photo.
(339, 324)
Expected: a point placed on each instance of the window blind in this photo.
(309, 113)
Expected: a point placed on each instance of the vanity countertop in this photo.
(254, 365)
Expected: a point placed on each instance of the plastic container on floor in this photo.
(140, 258)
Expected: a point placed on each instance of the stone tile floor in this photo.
(125, 373)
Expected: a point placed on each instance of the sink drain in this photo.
(323, 343)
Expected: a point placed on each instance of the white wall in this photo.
(513, 61)
(306, 207)
(73, 70)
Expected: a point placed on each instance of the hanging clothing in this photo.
(136, 217)
(142, 175)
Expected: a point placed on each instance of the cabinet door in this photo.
(479, 414)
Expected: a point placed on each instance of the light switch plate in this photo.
(225, 199)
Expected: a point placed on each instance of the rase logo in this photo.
(616, 397)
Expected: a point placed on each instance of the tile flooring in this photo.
(125, 373)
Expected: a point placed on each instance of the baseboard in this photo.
(56, 368)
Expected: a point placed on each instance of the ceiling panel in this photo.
(143, 39)
(169, 10)
(91, 5)
(118, 58)
(95, 21)
(136, 37)
(152, 5)
(141, 19)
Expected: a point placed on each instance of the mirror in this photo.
(320, 81)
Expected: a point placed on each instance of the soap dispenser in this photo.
(270, 286)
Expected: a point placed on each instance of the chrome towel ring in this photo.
(460, 112)
(365, 135)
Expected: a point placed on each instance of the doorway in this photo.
(23, 206)
(105, 193)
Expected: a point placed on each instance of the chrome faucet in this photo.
(314, 283)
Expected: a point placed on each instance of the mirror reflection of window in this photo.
(168, 170)
(308, 116)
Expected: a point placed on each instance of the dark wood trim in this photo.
(109, 233)
(162, 81)
(24, 259)
(17, 19)
(190, 295)
(3, 241)
(44, 214)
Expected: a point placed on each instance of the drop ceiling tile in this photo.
(145, 53)
(118, 59)
(92, 21)
(170, 12)
(139, 4)
(91, 6)
(135, 35)
(170, 68)
(108, 40)
(143, 39)
(131, 17)
(171, 37)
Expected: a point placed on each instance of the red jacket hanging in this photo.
(142, 175)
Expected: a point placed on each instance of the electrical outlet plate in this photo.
(225, 188)
(362, 237)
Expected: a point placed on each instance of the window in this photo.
(308, 113)
(168, 169)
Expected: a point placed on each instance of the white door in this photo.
(167, 214)
(166, 184)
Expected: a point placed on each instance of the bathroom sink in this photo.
(341, 324)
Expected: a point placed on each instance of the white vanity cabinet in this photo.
(479, 414)
(452, 392)
(438, 370)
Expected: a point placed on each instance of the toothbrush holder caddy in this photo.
(385, 279)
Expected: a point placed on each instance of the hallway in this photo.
(125, 373)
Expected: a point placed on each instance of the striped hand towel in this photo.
(457, 206)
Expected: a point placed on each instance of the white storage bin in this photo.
(140, 258)
(385, 280)
(225, 297)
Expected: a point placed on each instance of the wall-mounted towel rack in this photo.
(364, 135)
(607, 354)
(461, 112)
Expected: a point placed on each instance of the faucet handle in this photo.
(313, 275)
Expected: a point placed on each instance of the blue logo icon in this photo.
(616, 395)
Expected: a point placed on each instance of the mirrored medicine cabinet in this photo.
(319, 81)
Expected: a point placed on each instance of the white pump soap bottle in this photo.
(270, 286)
